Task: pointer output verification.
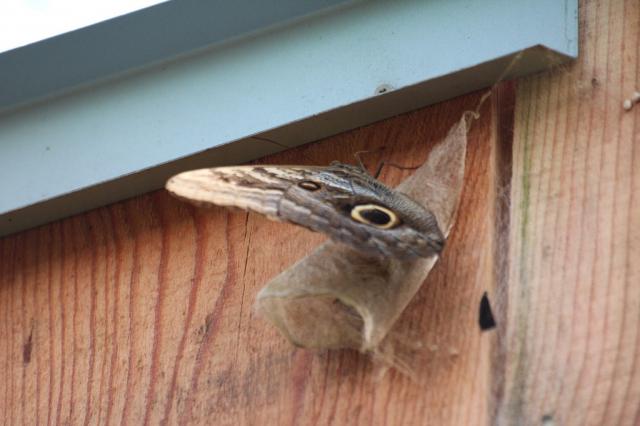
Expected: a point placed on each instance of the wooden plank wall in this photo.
(574, 279)
(142, 312)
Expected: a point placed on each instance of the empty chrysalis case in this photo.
(339, 297)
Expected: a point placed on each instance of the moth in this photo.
(340, 200)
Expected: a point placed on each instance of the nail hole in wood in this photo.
(383, 88)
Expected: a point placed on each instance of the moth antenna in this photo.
(359, 159)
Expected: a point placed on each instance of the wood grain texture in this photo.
(142, 312)
(573, 353)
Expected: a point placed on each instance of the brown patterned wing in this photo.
(340, 201)
(256, 188)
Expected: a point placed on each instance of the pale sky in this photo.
(26, 21)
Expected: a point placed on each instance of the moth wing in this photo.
(255, 188)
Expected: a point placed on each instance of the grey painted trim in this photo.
(295, 83)
(137, 40)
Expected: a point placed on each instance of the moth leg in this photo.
(380, 166)
(397, 166)
(358, 154)
(360, 163)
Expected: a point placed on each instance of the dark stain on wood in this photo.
(27, 348)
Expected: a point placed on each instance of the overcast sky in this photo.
(26, 21)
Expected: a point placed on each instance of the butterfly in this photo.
(340, 200)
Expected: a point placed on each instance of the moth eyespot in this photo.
(378, 216)
(309, 185)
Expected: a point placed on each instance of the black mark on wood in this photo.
(486, 319)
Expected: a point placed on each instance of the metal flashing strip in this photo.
(138, 40)
(124, 133)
